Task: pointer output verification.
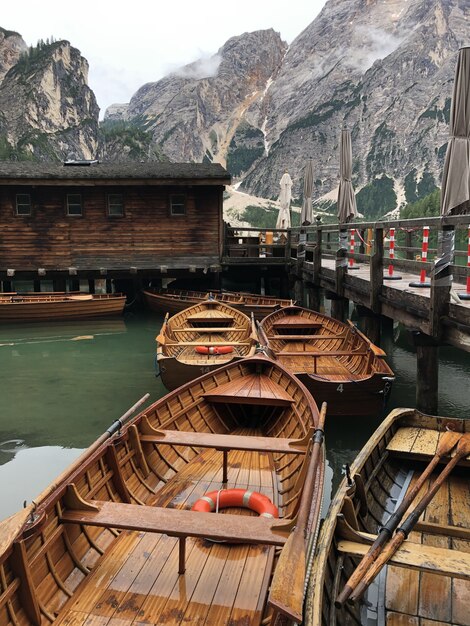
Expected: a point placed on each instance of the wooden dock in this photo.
(314, 263)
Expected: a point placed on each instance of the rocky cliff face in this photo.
(383, 68)
(11, 46)
(47, 110)
(194, 114)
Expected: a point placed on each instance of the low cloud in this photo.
(205, 67)
(372, 44)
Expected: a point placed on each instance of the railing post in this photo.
(408, 244)
(341, 262)
(317, 253)
(288, 245)
(377, 269)
(441, 280)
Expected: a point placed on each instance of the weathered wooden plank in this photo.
(427, 558)
(177, 523)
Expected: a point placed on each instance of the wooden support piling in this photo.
(427, 373)
(371, 323)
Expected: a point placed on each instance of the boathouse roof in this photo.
(125, 173)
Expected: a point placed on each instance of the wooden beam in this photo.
(179, 523)
(27, 591)
(421, 557)
(228, 442)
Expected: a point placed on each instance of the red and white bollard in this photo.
(351, 265)
(391, 254)
(466, 294)
(424, 258)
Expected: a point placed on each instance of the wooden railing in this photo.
(256, 243)
(304, 251)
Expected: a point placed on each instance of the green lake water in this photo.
(63, 384)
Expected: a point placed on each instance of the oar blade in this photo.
(287, 587)
(11, 527)
(448, 440)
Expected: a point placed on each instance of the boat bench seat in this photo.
(307, 338)
(228, 442)
(179, 523)
(297, 323)
(202, 342)
(321, 353)
(215, 329)
(418, 556)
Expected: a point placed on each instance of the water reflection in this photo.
(65, 383)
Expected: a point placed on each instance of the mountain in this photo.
(211, 108)
(47, 110)
(383, 69)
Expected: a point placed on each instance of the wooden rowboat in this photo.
(174, 300)
(114, 537)
(427, 580)
(335, 361)
(202, 338)
(42, 307)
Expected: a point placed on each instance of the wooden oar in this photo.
(448, 440)
(114, 428)
(287, 587)
(463, 450)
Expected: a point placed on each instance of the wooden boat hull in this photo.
(173, 301)
(59, 307)
(114, 537)
(425, 579)
(335, 361)
(174, 373)
(354, 398)
(208, 325)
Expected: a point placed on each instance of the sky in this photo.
(128, 44)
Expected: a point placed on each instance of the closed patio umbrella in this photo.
(283, 219)
(455, 190)
(455, 193)
(306, 216)
(347, 210)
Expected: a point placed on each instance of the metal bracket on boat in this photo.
(34, 521)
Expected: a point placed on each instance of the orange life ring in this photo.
(214, 349)
(253, 500)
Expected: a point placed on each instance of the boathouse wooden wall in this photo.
(147, 235)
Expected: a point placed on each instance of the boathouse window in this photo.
(178, 204)
(23, 204)
(115, 205)
(74, 204)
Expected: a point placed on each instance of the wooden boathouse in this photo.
(86, 219)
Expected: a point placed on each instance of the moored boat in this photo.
(174, 300)
(39, 307)
(411, 479)
(201, 338)
(114, 536)
(335, 361)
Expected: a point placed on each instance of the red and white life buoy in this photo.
(214, 349)
(215, 500)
